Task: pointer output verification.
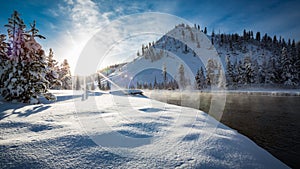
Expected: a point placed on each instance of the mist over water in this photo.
(271, 121)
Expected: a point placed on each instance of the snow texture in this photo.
(120, 131)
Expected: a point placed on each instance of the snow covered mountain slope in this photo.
(182, 45)
(227, 60)
(115, 131)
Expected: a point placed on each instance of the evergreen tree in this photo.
(52, 73)
(138, 86)
(16, 34)
(222, 39)
(185, 49)
(198, 43)
(275, 67)
(245, 37)
(3, 46)
(275, 40)
(143, 49)
(192, 36)
(155, 85)
(271, 76)
(77, 83)
(200, 79)
(289, 74)
(257, 37)
(65, 75)
(205, 30)
(210, 73)
(297, 60)
(197, 80)
(262, 72)
(221, 77)
(235, 74)
(24, 79)
(240, 73)
(4, 62)
(230, 77)
(182, 80)
(164, 72)
(131, 86)
(255, 69)
(99, 81)
(249, 72)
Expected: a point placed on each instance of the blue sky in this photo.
(68, 24)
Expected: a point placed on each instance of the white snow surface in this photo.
(120, 131)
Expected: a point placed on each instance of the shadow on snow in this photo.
(63, 152)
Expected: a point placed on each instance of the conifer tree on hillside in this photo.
(249, 71)
(262, 72)
(289, 74)
(200, 79)
(182, 80)
(211, 72)
(164, 72)
(241, 73)
(297, 60)
(197, 80)
(230, 77)
(270, 72)
(221, 77)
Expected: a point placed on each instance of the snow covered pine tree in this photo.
(24, 74)
(65, 75)
(52, 73)
(3, 59)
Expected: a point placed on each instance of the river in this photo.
(271, 120)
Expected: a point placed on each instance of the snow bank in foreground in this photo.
(115, 131)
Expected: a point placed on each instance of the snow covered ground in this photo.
(116, 131)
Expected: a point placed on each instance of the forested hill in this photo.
(250, 59)
(254, 59)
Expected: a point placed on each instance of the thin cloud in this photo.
(85, 15)
(82, 19)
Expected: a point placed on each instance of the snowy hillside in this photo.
(227, 60)
(117, 131)
(180, 46)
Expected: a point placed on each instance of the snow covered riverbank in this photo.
(114, 131)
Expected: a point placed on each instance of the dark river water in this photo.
(271, 121)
